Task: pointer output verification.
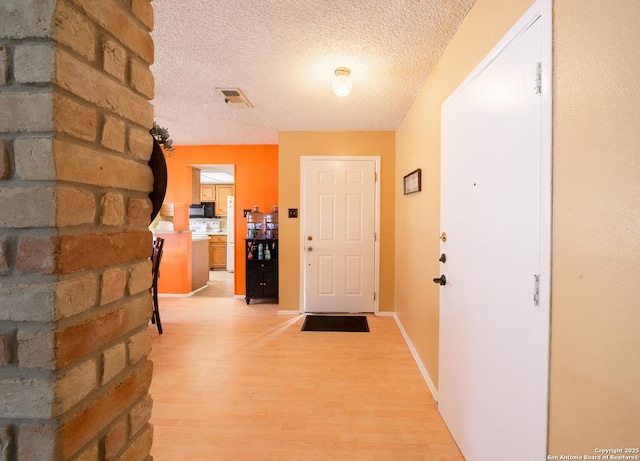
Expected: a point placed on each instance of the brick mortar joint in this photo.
(27, 88)
(27, 41)
(101, 391)
(18, 183)
(102, 113)
(126, 8)
(97, 65)
(97, 311)
(96, 229)
(101, 35)
(15, 372)
(98, 147)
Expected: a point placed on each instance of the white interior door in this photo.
(493, 369)
(338, 231)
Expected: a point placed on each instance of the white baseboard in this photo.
(180, 295)
(175, 295)
(289, 312)
(416, 357)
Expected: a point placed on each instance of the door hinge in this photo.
(374, 295)
(538, 87)
(536, 289)
(375, 176)
(375, 236)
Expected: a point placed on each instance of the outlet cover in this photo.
(245, 212)
(293, 212)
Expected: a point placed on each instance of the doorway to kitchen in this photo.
(214, 189)
(219, 285)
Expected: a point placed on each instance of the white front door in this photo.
(338, 232)
(493, 363)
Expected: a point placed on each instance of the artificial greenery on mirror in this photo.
(161, 135)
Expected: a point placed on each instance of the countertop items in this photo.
(194, 235)
(165, 226)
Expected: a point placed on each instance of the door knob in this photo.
(443, 258)
(442, 280)
(309, 248)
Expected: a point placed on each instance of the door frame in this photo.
(304, 159)
(541, 10)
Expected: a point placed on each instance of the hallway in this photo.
(237, 382)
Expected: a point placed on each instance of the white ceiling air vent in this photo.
(234, 97)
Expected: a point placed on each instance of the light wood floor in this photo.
(236, 382)
(220, 285)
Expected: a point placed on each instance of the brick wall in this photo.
(74, 245)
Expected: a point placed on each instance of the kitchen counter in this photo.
(163, 231)
(183, 249)
(199, 263)
(198, 235)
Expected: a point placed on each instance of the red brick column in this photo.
(75, 87)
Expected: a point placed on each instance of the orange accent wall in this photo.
(256, 183)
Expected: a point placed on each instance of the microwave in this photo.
(203, 210)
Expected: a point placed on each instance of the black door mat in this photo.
(355, 323)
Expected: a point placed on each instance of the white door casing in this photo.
(495, 210)
(338, 227)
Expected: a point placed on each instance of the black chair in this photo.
(156, 256)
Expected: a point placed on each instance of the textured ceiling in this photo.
(282, 55)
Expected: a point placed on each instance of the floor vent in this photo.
(234, 97)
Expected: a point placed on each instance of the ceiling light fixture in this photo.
(342, 82)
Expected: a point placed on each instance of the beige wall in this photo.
(293, 145)
(418, 146)
(595, 346)
(595, 369)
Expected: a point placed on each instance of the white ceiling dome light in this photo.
(342, 82)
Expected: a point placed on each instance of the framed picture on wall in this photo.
(413, 182)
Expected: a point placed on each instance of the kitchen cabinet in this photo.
(195, 185)
(222, 192)
(217, 193)
(261, 273)
(207, 194)
(217, 251)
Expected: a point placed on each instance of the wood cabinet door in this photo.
(207, 193)
(270, 283)
(218, 254)
(254, 287)
(195, 185)
(222, 192)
